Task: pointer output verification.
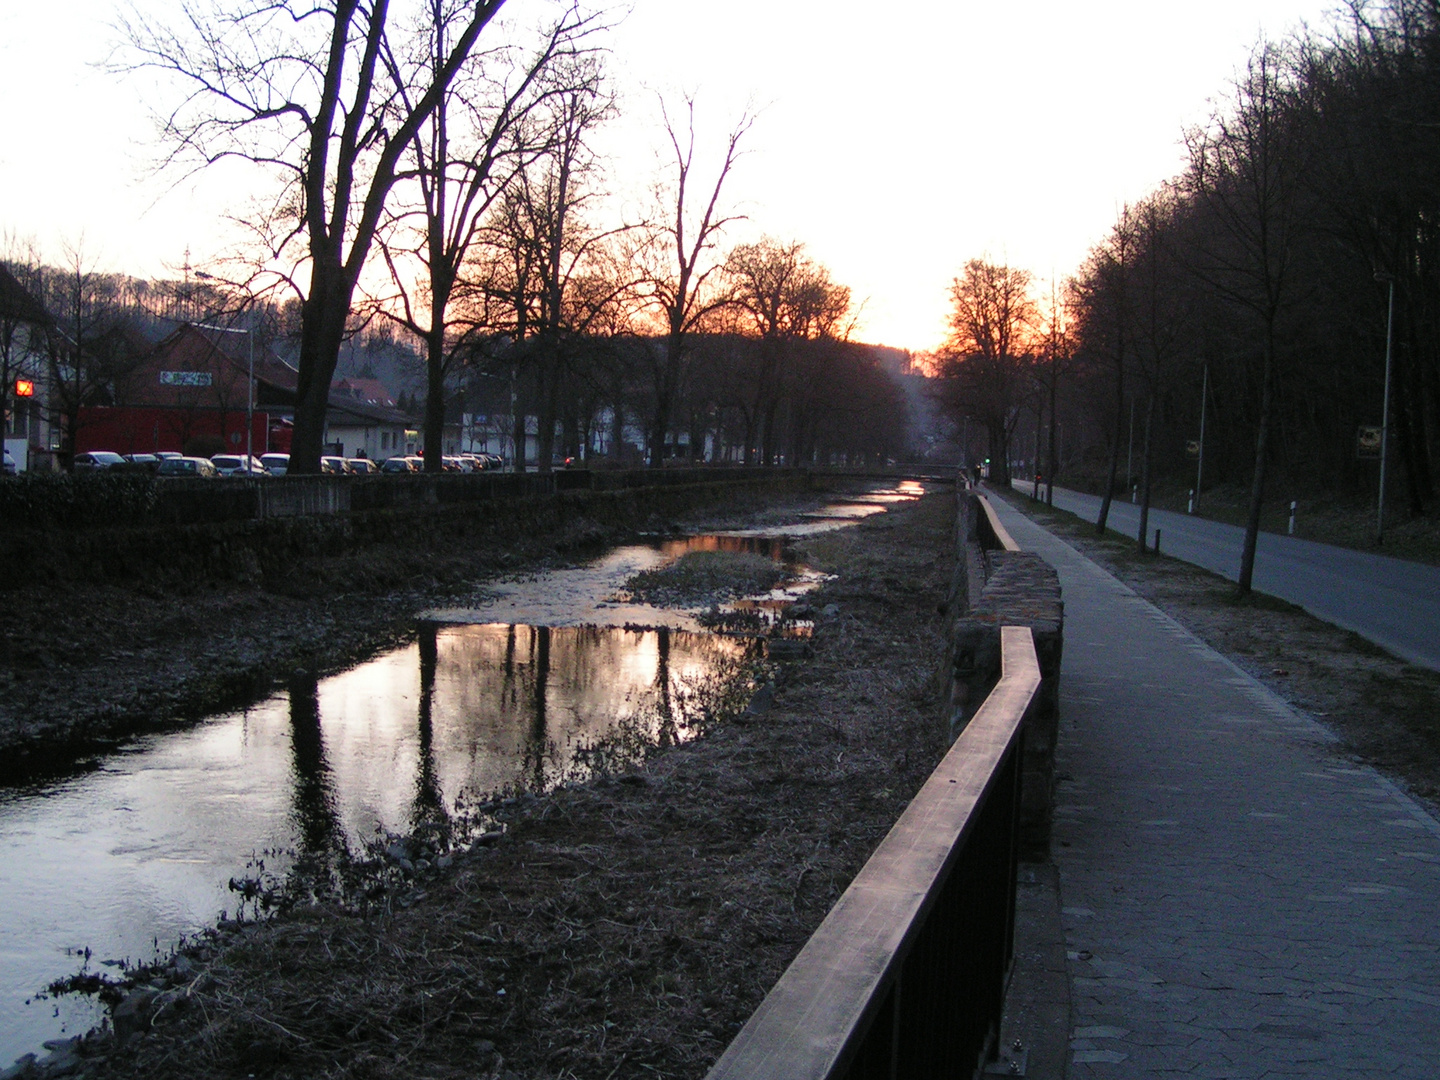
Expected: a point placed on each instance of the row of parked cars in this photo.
(169, 463)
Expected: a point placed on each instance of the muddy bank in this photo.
(622, 928)
(88, 659)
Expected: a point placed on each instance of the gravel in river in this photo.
(621, 928)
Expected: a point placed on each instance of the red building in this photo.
(192, 389)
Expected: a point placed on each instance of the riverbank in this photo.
(87, 664)
(625, 927)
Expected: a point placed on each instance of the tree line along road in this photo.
(1392, 602)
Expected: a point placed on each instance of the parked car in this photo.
(336, 466)
(148, 462)
(166, 455)
(186, 466)
(238, 465)
(397, 465)
(96, 460)
(362, 466)
(9, 467)
(278, 464)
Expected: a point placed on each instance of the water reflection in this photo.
(143, 848)
(317, 821)
(772, 547)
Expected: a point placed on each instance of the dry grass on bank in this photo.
(698, 578)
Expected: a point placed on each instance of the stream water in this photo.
(120, 863)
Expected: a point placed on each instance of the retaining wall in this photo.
(996, 585)
(262, 533)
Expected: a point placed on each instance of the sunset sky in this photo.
(896, 147)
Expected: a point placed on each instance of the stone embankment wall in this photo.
(143, 544)
(997, 585)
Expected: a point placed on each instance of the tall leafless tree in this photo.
(1245, 174)
(681, 265)
(985, 363)
(301, 90)
(490, 126)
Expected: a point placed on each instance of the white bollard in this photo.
(1190, 507)
(1292, 517)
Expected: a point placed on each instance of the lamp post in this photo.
(1385, 410)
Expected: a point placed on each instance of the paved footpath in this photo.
(1238, 898)
(1393, 602)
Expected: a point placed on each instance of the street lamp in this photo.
(249, 387)
(1381, 275)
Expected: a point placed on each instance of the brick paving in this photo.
(1239, 898)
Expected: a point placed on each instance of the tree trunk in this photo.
(665, 398)
(1050, 464)
(1145, 475)
(517, 436)
(1114, 467)
(999, 454)
(1262, 446)
(322, 330)
(434, 427)
(545, 423)
(617, 430)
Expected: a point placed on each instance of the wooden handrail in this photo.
(821, 1017)
(1002, 534)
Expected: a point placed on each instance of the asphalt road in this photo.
(1392, 602)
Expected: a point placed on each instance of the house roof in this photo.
(17, 303)
(349, 413)
(202, 348)
(372, 391)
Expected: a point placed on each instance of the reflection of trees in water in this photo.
(514, 704)
(769, 546)
(314, 810)
(666, 735)
(429, 803)
(538, 745)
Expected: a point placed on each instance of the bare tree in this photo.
(90, 348)
(1058, 347)
(548, 279)
(483, 135)
(985, 363)
(782, 297)
(301, 90)
(1161, 320)
(1101, 292)
(1245, 171)
(680, 263)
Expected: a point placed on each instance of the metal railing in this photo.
(906, 976)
